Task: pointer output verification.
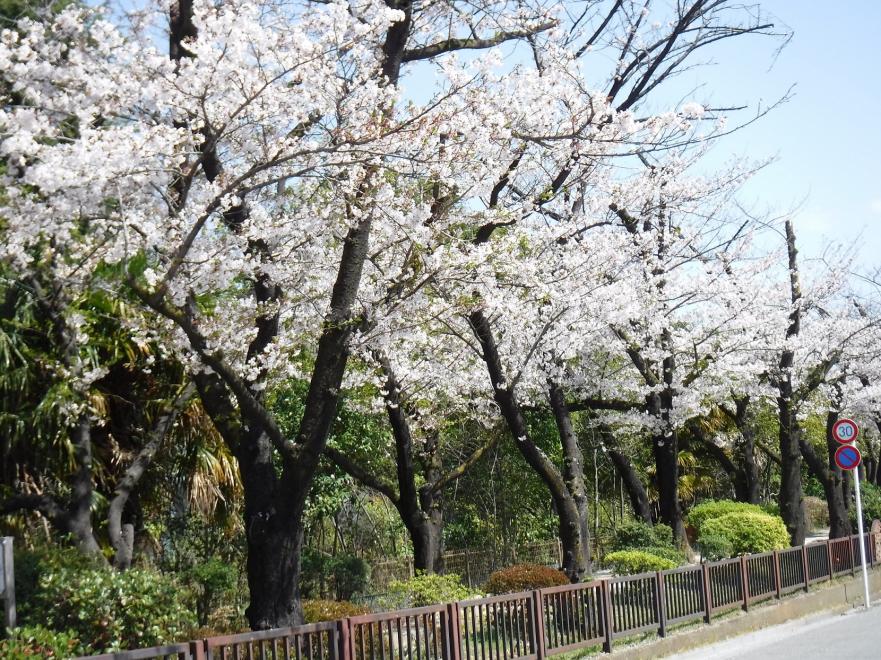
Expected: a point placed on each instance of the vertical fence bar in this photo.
(538, 619)
(744, 580)
(661, 603)
(197, 650)
(805, 566)
(708, 598)
(777, 577)
(454, 633)
(344, 650)
(853, 560)
(829, 558)
(607, 615)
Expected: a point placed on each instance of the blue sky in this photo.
(827, 138)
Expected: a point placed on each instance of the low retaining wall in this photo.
(838, 596)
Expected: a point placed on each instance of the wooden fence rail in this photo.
(541, 623)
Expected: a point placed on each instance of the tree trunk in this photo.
(665, 448)
(635, 491)
(749, 469)
(791, 504)
(121, 539)
(79, 515)
(273, 511)
(573, 465)
(576, 558)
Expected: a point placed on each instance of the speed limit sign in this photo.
(845, 431)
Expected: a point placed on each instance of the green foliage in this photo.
(748, 531)
(816, 512)
(714, 547)
(871, 500)
(212, 580)
(33, 642)
(630, 562)
(346, 573)
(110, 610)
(771, 508)
(524, 577)
(426, 589)
(710, 509)
(315, 611)
(666, 551)
(637, 534)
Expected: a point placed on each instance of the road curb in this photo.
(837, 596)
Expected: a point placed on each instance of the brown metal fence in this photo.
(536, 624)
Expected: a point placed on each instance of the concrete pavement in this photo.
(854, 635)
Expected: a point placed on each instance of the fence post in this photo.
(778, 582)
(829, 557)
(708, 596)
(744, 581)
(468, 570)
(454, 634)
(661, 591)
(538, 624)
(197, 650)
(853, 559)
(608, 622)
(344, 652)
(804, 566)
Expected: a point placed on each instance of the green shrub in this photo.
(673, 554)
(426, 589)
(870, 494)
(110, 610)
(346, 574)
(714, 547)
(212, 579)
(710, 509)
(748, 531)
(816, 512)
(524, 577)
(32, 642)
(630, 562)
(637, 534)
(771, 508)
(30, 565)
(315, 611)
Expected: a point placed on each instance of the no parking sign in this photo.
(847, 457)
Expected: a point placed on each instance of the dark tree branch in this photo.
(449, 45)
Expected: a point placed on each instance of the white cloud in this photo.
(875, 206)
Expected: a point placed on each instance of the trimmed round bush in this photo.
(426, 589)
(710, 509)
(637, 534)
(630, 562)
(524, 577)
(315, 611)
(667, 552)
(714, 547)
(747, 531)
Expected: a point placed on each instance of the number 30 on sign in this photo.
(845, 431)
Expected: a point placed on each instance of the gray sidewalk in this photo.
(855, 635)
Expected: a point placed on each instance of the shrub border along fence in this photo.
(544, 622)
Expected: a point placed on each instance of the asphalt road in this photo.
(855, 635)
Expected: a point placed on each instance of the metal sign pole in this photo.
(8, 582)
(856, 485)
